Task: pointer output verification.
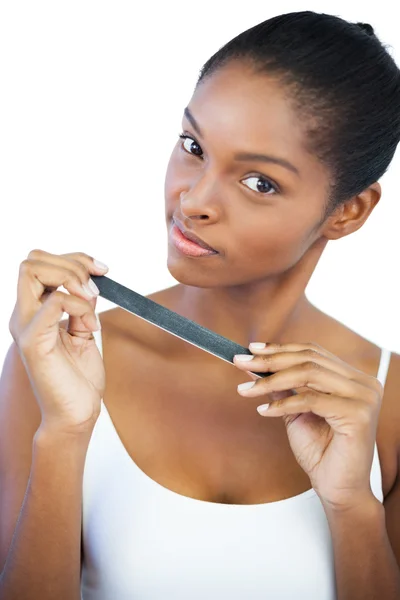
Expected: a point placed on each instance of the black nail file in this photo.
(170, 321)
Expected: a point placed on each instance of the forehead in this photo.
(249, 111)
(242, 103)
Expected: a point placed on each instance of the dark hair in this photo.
(344, 83)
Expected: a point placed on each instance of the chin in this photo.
(185, 270)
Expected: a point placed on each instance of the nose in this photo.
(200, 201)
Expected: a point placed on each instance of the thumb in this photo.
(76, 327)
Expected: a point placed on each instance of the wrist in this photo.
(364, 506)
(50, 435)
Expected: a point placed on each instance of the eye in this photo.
(190, 145)
(262, 184)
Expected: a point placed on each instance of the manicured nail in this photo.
(244, 357)
(93, 287)
(257, 345)
(262, 409)
(100, 265)
(246, 386)
(88, 291)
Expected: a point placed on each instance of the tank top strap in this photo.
(384, 365)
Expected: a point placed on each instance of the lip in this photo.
(193, 237)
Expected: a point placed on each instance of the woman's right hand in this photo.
(64, 365)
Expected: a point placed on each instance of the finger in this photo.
(290, 347)
(83, 263)
(88, 261)
(271, 363)
(37, 280)
(77, 326)
(342, 414)
(46, 321)
(79, 262)
(312, 376)
(42, 273)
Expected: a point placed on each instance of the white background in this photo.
(91, 102)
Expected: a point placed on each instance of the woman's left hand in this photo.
(330, 410)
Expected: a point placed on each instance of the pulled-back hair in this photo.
(342, 81)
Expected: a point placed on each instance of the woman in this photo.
(188, 490)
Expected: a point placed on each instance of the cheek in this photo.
(277, 238)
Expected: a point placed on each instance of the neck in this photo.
(270, 310)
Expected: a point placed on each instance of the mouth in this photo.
(189, 235)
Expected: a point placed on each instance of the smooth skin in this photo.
(269, 243)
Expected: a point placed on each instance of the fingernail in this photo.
(244, 357)
(88, 291)
(93, 287)
(263, 408)
(100, 265)
(257, 345)
(246, 386)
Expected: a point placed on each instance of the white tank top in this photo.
(143, 541)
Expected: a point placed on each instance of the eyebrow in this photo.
(246, 156)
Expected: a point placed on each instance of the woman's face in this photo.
(261, 216)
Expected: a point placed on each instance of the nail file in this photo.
(170, 321)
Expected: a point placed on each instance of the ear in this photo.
(351, 215)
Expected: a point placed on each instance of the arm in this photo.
(367, 542)
(44, 558)
(365, 564)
